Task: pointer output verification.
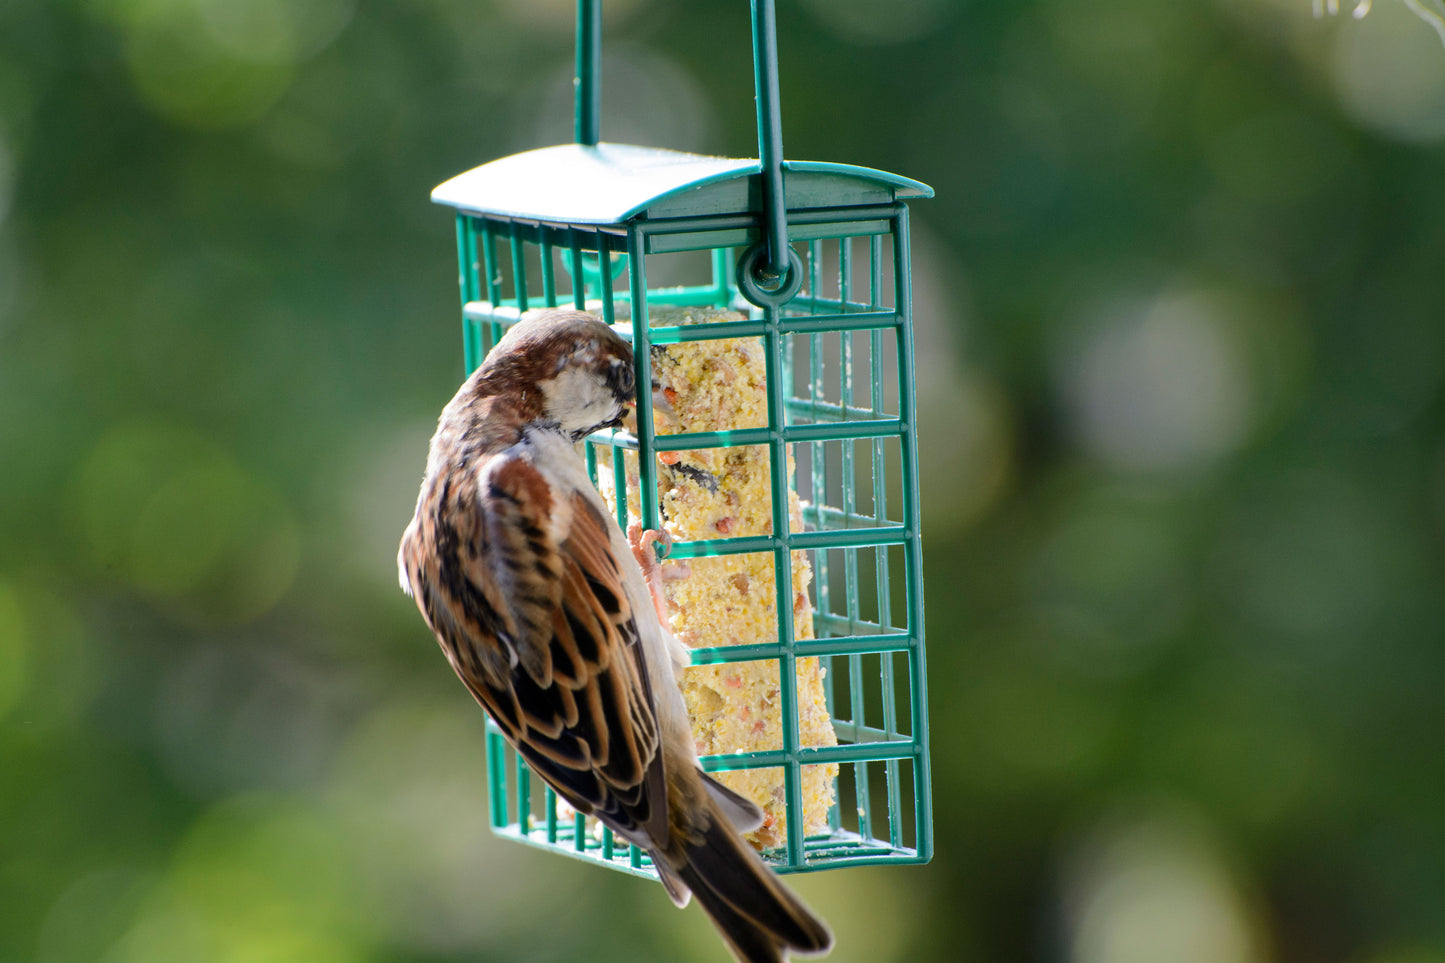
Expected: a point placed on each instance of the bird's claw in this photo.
(649, 548)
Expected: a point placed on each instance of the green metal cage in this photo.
(621, 230)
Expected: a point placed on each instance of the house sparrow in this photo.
(533, 592)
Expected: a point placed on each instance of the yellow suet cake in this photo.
(731, 599)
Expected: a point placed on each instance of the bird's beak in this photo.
(660, 407)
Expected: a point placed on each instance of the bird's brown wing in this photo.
(541, 631)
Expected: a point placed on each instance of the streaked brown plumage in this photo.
(534, 596)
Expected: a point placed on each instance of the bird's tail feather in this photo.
(759, 917)
(741, 811)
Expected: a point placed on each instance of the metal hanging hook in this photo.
(774, 271)
(770, 138)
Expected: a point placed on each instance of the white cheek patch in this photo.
(577, 398)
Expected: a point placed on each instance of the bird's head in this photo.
(580, 370)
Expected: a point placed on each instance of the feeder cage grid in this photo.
(837, 345)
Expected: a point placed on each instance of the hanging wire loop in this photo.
(762, 287)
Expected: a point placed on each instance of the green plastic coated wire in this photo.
(834, 400)
(770, 136)
(776, 262)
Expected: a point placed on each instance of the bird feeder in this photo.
(814, 260)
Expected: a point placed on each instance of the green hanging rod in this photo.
(770, 137)
(775, 264)
(587, 125)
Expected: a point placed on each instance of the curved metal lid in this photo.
(614, 183)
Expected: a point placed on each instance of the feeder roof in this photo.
(614, 183)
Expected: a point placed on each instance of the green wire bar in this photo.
(814, 257)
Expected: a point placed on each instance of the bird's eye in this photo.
(623, 377)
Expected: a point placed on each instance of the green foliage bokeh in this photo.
(1181, 303)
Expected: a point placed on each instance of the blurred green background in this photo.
(1181, 309)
